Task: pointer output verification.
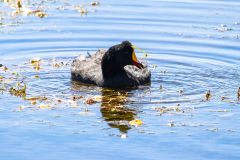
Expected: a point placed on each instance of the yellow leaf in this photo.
(35, 98)
(33, 102)
(44, 106)
(40, 14)
(136, 122)
(37, 67)
(35, 60)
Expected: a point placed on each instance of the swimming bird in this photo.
(118, 67)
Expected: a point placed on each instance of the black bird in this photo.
(118, 67)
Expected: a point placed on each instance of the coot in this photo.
(118, 67)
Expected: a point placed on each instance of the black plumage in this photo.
(117, 67)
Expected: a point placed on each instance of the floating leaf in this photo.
(35, 60)
(4, 68)
(95, 3)
(208, 95)
(180, 91)
(40, 14)
(35, 98)
(77, 97)
(20, 108)
(44, 106)
(90, 101)
(238, 93)
(81, 10)
(136, 122)
(19, 90)
(33, 102)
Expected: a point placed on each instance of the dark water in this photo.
(192, 46)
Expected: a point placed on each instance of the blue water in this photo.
(192, 46)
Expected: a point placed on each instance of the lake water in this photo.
(192, 47)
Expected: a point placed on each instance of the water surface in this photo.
(192, 47)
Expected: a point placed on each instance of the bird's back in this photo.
(88, 69)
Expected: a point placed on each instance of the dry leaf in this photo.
(44, 106)
(95, 3)
(90, 101)
(208, 95)
(35, 60)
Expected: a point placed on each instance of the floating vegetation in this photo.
(93, 100)
(118, 108)
(44, 106)
(35, 60)
(74, 98)
(81, 10)
(208, 95)
(90, 101)
(238, 94)
(36, 63)
(36, 98)
(19, 90)
(12, 10)
(171, 109)
(95, 3)
(136, 122)
(180, 91)
(40, 14)
(4, 68)
(33, 102)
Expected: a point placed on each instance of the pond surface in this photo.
(192, 48)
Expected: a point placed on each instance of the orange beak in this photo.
(136, 62)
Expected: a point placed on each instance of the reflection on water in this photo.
(114, 106)
(114, 109)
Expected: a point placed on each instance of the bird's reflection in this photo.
(113, 107)
(114, 110)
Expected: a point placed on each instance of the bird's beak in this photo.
(136, 62)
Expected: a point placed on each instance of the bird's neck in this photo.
(110, 68)
(109, 71)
